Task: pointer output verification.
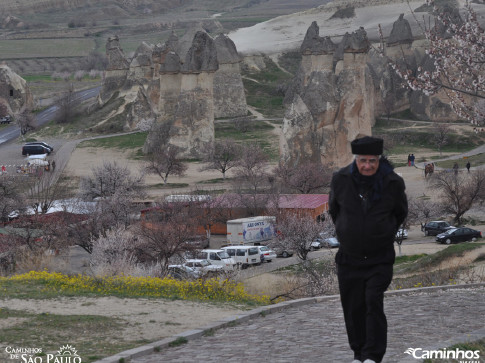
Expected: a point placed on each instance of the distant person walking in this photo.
(468, 165)
(367, 205)
(409, 159)
(412, 158)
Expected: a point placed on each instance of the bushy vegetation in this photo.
(50, 284)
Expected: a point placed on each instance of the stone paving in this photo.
(313, 330)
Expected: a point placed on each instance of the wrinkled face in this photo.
(367, 164)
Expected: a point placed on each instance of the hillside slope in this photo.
(287, 32)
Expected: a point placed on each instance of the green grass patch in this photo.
(430, 261)
(214, 181)
(178, 342)
(258, 132)
(475, 160)
(168, 185)
(51, 331)
(408, 259)
(263, 88)
(128, 141)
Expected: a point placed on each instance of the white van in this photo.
(244, 255)
(217, 257)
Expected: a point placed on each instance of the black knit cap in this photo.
(367, 145)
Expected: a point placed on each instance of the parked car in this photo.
(181, 272)
(198, 242)
(5, 119)
(456, 235)
(35, 150)
(203, 267)
(44, 144)
(244, 256)
(316, 244)
(217, 257)
(282, 252)
(434, 228)
(402, 233)
(331, 242)
(267, 254)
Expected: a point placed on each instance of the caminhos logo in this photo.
(463, 356)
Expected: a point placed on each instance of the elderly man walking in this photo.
(367, 205)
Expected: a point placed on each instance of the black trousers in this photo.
(362, 295)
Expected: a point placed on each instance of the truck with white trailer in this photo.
(250, 230)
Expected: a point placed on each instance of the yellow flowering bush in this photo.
(129, 286)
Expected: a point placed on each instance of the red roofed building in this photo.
(231, 206)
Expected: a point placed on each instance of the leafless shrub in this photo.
(305, 178)
(115, 254)
(26, 261)
(222, 155)
(79, 75)
(459, 191)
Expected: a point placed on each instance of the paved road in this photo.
(13, 131)
(313, 331)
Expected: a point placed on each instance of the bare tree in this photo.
(305, 178)
(296, 233)
(44, 190)
(26, 121)
(422, 210)
(222, 155)
(109, 180)
(164, 161)
(440, 135)
(459, 191)
(11, 196)
(115, 253)
(389, 102)
(67, 103)
(253, 185)
(164, 234)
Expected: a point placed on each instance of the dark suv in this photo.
(47, 146)
(434, 228)
(35, 150)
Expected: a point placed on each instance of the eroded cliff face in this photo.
(184, 93)
(14, 91)
(329, 104)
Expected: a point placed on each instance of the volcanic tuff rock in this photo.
(229, 97)
(14, 91)
(184, 94)
(328, 106)
(401, 32)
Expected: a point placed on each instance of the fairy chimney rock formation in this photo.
(182, 93)
(401, 32)
(315, 44)
(328, 106)
(116, 57)
(202, 55)
(229, 97)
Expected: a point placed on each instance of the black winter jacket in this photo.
(366, 231)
